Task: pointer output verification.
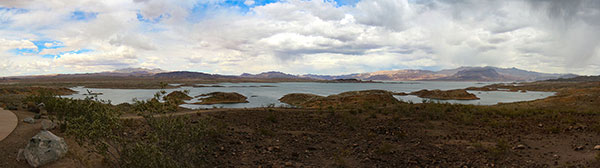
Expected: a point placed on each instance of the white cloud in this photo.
(299, 36)
(249, 2)
(6, 44)
(119, 57)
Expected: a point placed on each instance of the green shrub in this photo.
(162, 141)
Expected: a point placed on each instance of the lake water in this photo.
(261, 96)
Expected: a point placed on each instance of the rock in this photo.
(20, 155)
(29, 120)
(578, 148)
(597, 147)
(37, 116)
(48, 125)
(556, 156)
(11, 107)
(520, 146)
(33, 107)
(44, 148)
(44, 112)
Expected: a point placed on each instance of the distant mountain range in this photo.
(458, 74)
(271, 75)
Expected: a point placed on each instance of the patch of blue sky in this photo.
(40, 46)
(340, 3)
(204, 10)
(83, 16)
(48, 44)
(141, 18)
(67, 52)
(24, 51)
(13, 10)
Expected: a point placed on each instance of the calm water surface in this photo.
(260, 96)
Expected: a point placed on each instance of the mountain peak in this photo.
(270, 74)
(139, 70)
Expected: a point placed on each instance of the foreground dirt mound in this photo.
(222, 98)
(178, 95)
(343, 100)
(458, 94)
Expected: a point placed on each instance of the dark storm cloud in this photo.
(567, 9)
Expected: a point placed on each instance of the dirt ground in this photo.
(314, 138)
(19, 138)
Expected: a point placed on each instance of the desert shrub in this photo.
(272, 118)
(348, 119)
(173, 141)
(500, 150)
(154, 141)
(91, 122)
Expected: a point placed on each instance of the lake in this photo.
(265, 94)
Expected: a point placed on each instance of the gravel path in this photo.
(8, 123)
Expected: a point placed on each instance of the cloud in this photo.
(249, 2)
(298, 36)
(120, 57)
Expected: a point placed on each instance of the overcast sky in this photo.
(297, 36)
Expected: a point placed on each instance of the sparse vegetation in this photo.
(428, 133)
(171, 141)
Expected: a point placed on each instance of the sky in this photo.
(297, 36)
